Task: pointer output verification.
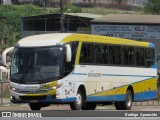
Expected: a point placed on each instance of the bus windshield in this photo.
(36, 65)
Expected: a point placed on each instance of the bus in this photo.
(83, 71)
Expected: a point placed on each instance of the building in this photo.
(87, 3)
(127, 2)
(138, 27)
(50, 23)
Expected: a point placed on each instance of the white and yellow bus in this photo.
(83, 71)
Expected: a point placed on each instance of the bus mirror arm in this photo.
(4, 55)
(68, 53)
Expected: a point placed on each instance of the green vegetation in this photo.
(73, 9)
(152, 7)
(11, 25)
(105, 11)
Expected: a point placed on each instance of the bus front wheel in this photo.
(77, 105)
(35, 106)
(127, 104)
(89, 106)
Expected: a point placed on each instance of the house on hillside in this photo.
(136, 27)
(50, 23)
(86, 3)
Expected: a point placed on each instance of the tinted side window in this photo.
(140, 56)
(101, 53)
(128, 55)
(125, 56)
(149, 57)
(111, 54)
(118, 55)
(87, 53)
(131, 56)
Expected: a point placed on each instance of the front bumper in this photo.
(41, 99)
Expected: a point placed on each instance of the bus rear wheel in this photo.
(127, 104)
(77, 105)
(35, 106)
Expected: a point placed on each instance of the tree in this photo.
(10, 27)
(152, 7)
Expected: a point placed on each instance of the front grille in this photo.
(33, 92)
(33, 97)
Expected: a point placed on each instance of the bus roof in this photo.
(42, 40)
(55, 38)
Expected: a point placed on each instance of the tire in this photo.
(35, 106)
(127, 104)
(77, 105)
(118, 105)
(89, 106)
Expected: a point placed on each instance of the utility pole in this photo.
(62, 16)
(45, 4)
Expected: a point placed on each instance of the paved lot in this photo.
(66, 107)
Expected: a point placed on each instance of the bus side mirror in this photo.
(68, 53)
(4, 55)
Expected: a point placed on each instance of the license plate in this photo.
(33, 101)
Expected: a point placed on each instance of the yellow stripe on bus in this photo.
(102, 39)
(143, 86)
(45, 86)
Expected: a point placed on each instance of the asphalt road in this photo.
(63, 112)
(137, 107)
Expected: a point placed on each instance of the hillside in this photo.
(10, 27)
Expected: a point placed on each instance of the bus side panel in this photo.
(112, 82)
(145, 90)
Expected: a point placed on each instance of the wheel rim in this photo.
(78, 99)
(129, 100)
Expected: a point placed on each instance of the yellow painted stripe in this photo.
(116, 91)
(146, 85)
(46, 86)
(143, 86)
(102, 39)
(78, 53)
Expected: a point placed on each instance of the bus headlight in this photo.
(13, 88)
(56, 87)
